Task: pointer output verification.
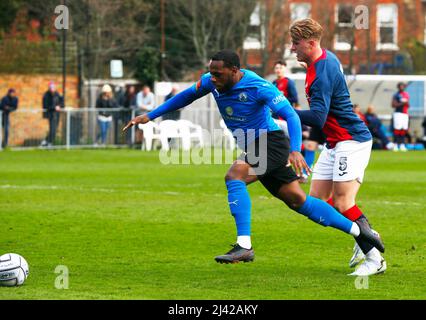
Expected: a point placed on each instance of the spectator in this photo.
(174, 115)
(105, 101)
(400, 119)
(284, 84)
(129, 105)
(119, 95)
(130, 98)
(118, 116)
(8, 104)
(376, 128)
(145, 100)
(52, 104)
(422, 140)
(357, 109)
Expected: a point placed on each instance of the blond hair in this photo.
(306, 29)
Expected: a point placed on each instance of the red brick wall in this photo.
(411, 24)
(30, 90)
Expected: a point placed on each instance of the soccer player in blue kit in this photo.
(244, 100)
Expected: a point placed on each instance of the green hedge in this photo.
(23, 57)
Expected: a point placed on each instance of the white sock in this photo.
(374, 255)
(244, 241)
(355, 230)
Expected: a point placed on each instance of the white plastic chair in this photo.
(228, 135)
(150, 133)
(195, 131)
(283, 125)
(171, 129)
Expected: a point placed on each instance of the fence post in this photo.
(1, 130)
(133, 128)
(68, 130)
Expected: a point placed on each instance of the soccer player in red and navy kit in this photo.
(400, 102)
(339, 171)
(285, 84)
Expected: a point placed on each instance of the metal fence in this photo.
(86, 127)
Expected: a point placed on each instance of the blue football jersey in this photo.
(245, 108)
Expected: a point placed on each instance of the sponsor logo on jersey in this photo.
(278, 99)
(229, 111)
(243, 97)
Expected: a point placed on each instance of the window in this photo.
(344, 35)
(254, 33)
(387, 27)
(300, 11)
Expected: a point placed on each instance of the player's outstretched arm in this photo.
(179, 101)
(137, 120)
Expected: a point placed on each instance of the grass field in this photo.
(128, 227)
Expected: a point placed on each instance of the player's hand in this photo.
(299, 164)
(137, 120)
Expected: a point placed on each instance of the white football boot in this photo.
(374, 263)
(357, 256)
(402, 148)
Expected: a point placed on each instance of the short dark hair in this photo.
(229, 57)
(281, 62)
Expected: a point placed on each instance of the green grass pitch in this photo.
(128, 227)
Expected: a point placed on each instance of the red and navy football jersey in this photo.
(398, 97)
(328, 96)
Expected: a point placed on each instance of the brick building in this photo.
(370, 36)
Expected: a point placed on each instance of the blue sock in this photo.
(309, 157)
(240, 205)
(324, 214)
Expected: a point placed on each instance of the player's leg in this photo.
(316, 138)
(310, 149)
(351, 161)
(281, 184)
(238, 176)
(322, 175)
(314, 209)
(344, 195)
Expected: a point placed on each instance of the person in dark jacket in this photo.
(104, 102)
(52, 104)
(8, 104)
(376, 128)
(129, 105)
(174, 115)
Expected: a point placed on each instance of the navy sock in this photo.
(324, 214)
(240, 205)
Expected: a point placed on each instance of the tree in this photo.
(8, 11)
(211, 25)
(110, 29)
(147, 66)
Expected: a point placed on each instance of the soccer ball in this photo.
(13, 270)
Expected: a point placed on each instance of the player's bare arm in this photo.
(137, 120)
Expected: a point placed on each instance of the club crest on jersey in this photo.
(229, 111)
(243, 97)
